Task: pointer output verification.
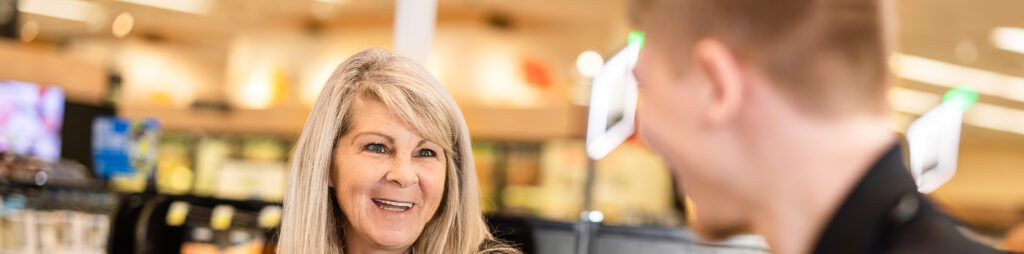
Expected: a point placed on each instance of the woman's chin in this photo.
(393, 239)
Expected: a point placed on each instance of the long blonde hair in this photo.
(312, 221)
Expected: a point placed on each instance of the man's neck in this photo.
(818, 163)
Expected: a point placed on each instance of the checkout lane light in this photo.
(613, 100)
(964, 97)
(636, 37)
(934, 139)
(983, 115)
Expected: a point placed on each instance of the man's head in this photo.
(719, 79)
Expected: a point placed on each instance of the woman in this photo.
(384, 165)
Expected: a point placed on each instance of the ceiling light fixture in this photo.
(1008, 38)
(589, 63)
(73, 10)
(949, 75)
(199, 7)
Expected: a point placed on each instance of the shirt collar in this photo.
(861, 224)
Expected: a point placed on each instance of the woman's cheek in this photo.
(433, 183)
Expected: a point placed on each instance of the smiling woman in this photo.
(384, 165)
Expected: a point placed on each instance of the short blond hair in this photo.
(312, 221)
(800, 44)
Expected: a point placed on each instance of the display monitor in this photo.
(31, 117)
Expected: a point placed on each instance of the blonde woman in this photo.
(384, 165)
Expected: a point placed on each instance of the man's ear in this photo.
(725, 77)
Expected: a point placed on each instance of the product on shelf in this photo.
(54, 221)
(125, 151)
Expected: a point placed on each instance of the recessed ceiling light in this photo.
(73, 10)
(123, 24)
(29, 31)
(589, 63)
(966, 51)
(985, 115)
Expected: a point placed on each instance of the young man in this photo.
(773, 115)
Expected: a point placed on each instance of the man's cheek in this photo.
(648, 128)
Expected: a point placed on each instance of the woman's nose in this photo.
(402, 173)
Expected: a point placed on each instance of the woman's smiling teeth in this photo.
(394, 206)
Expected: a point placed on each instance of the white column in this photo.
(414, 28)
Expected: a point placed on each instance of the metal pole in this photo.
(588, 186)
(590, 220)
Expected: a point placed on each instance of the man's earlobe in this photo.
(725, 77)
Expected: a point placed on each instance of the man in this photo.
(773, 115)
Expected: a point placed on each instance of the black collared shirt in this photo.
(884, 213)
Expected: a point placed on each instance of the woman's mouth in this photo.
(391, 205)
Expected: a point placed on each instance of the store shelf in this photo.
(274, 121)
(488, 123)
(526, 124)
(81, 81)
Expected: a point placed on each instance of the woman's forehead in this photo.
(372, 115)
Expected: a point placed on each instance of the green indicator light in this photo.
(636, 37)
(963, 96)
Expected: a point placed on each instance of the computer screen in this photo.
(31, 118)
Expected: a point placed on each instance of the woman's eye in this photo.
(376, 148)
(426, 153)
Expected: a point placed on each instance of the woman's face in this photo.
(388, 179)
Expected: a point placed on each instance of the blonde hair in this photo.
(313, 222)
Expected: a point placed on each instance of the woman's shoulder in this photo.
(505, 250)
(497, 247)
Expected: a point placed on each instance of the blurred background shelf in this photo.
(286, 122)
(231, 84)
(82, 81)
(561, 121)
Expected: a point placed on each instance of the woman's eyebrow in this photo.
(390, 139)
(427, 141)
